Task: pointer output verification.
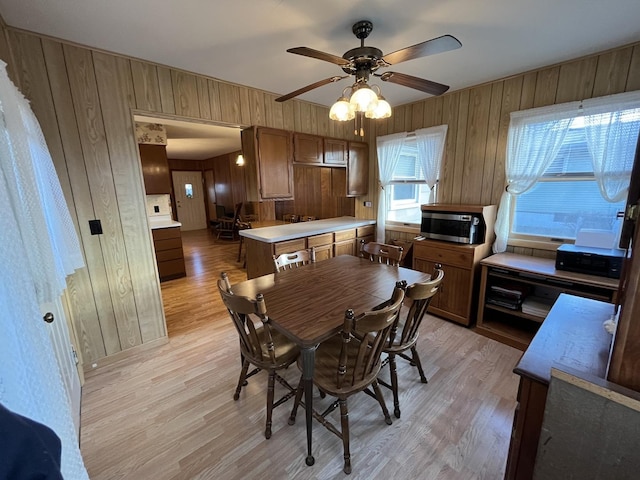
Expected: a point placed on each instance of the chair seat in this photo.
(285, 350)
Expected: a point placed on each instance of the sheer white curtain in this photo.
(430, 143)
(534, 138)
(388, 148)
(611, 128)
(39, 248)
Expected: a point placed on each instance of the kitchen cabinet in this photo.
(268, 155)
(365, 234)
(155, 169)
(322, 245)
(535, 279)
(329, 237)
(307, 149)
(345, 242)
(335, 152)
(167, 243)
(358, 169)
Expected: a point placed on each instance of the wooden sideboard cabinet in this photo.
(538, 279)
(572, 335)
(268, 155)
(456, 297)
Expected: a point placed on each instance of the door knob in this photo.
(48, 317)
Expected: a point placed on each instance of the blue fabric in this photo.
(28, 449)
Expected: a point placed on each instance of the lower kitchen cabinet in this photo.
(167, 243)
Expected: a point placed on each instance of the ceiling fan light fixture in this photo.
(382, 108)
(363, 98)
(342, 110)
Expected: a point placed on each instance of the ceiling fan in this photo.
(364, 61)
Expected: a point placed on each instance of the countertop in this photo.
(162, 221)
(290, 231)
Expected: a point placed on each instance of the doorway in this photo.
(190, 201)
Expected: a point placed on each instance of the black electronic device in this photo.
(603, 262)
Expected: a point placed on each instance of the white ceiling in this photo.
(245, 41)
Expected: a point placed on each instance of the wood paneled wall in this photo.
(478, 118)
(84, 100)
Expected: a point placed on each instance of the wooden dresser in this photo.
(572, 335)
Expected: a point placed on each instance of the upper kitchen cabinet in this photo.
(268, 155)
(335, 152)
(155, 169)
(358, 169)
(307, 149)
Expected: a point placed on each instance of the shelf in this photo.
(514, 327)
(561, 285)
(517, 313)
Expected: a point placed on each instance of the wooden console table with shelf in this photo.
(571, 336)
(514, 327)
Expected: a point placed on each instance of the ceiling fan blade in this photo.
(421, 84)
(430, 47)
(327, 57)
(302, 90)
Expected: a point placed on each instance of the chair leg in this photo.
(344, 421)
(270, 393)
(380, 398)
(416, 360)
(242, 379)
(240, 249)
(296, 402)
(394, 384)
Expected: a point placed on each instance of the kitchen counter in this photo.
(291, 231)
(163, 221)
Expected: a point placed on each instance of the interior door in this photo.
(54, 315)
(189, 200)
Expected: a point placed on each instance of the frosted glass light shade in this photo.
(363, 99)
(341, 111)
(381, 110)
(240, 160)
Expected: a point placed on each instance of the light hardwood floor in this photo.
(168, 412)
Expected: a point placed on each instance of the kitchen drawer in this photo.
(168, 244)
(164, 233)
(322, 239)
(171, 269)
(366, 231)
(289, 246)
(460, 257)
(345, 235)
(173, 254)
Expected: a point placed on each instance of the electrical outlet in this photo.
(367, 204)
(156, 209)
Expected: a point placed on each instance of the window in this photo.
(567, 198)
(408, 189)
(188, 190)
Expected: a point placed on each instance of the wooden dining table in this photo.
(308, 305)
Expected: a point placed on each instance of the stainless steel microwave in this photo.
(452, 227)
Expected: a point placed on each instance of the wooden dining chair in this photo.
(287, 261)
(290, 218)
(306, 218)
(381, 252)
(349, 363)
(228, 227)
(404, 333)
(260, 346)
